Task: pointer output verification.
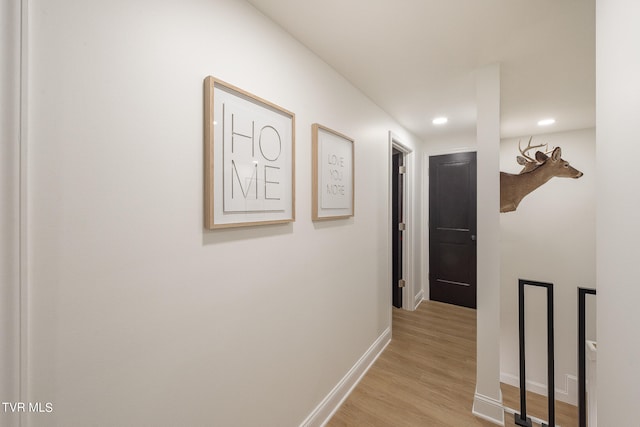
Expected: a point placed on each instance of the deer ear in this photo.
(541, 157)
(557, 153)
(521, 160)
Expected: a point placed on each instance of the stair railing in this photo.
(582, 360)
(521, 419)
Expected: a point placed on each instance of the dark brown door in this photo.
(396, 218)
(452, 229)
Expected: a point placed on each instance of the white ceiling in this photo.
(416, 58)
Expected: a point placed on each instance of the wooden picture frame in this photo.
(333, 189)
(249, 159)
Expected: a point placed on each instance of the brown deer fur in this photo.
(513, 188)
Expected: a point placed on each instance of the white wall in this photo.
(618, 233)
(9, 206)
(452, 143)
(549, 238)
(137, 315)
(10, 152)
(488, 397)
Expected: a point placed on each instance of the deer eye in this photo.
(566, 165)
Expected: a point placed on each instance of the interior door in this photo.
(397, 215)
(452, 229)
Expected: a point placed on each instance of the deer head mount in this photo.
(527, 161)
(536, 172)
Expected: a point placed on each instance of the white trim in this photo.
(424, 248)
(409, 292)
(425, 209)
(418, 299)
(445, 151)
(331, 403)
(488, 408)
(569, 394)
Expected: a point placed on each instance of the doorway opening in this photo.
(397, 226)
(402, 230)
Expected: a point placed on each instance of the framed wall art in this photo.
(333, 174)
(249, 159)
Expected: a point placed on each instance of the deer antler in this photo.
(531, 147)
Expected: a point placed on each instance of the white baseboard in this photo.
(488, 408)
(330, 404)
(567, 395)
(418, 299)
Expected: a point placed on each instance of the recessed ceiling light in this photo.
(546, 122)
(440, 120)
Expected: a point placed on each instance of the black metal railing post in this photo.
(551, 378)
(582, 360)
(521, 419)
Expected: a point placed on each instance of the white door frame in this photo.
(425, 208)
(409, 298)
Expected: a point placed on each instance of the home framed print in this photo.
(333, 174)
(249, 159)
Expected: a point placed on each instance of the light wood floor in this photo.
(426, 376)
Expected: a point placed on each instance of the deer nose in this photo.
(579, 175)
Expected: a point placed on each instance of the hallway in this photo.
(426, 376)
